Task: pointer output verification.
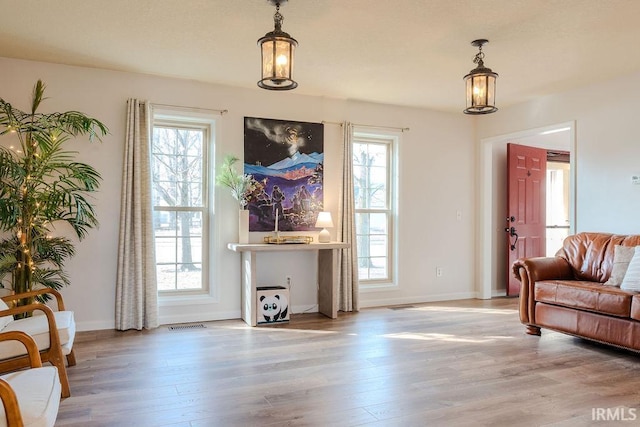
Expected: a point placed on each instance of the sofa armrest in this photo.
(531, 270)
(543, 268)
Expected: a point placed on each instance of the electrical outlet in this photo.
(438, 271)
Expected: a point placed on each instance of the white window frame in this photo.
(188, 120)
(391, 141)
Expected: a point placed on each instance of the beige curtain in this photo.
(347, 261)
(136, 288)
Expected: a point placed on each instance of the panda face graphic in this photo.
(274, 307)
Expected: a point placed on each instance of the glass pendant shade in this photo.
(480, 86)
(277, 49)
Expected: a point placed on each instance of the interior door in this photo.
(526, 222)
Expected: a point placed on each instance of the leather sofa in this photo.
(566, 293)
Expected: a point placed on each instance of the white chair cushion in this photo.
(4, 320)
(38, 392)
(38, 327)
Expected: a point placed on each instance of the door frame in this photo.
(487, 251)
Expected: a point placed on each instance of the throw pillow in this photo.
(631, 281)
(621, 257)
(5, 320)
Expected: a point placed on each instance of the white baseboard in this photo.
(417, 300)
(199, 317)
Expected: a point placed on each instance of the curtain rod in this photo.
(181, 107)
(368, 126)
(382, 127)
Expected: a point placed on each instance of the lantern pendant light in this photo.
(277, 49)
(480, 85)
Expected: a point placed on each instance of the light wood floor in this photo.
(442, 364)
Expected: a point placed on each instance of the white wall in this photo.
(607, 148)
(436, 180)
(605, 157)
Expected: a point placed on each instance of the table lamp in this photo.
(324, 221)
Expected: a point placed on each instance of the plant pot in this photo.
(243, 226)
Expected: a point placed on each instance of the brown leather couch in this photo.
(566, 292)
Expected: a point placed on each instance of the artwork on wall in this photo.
(286, 160)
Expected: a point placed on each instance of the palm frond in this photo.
(41, 183)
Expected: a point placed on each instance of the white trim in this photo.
(486, 275)
(418, 299)
(198, 317)
(391, 138)
(204, 123)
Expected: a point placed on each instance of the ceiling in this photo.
(402, 52)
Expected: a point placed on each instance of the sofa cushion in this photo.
(631, 281)
(38, 393)
(622, 256)
(585, 295)
(38, 327)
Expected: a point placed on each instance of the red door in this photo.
(526, 194)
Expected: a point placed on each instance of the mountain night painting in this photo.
(286, 159)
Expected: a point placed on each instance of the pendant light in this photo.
(277, 49)
(480, 85)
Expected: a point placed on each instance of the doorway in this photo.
(492, 262)
(558, 221)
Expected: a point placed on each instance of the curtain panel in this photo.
(136, 284)
(347, 260)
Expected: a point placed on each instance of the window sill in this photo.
(192, 299)
(377, 287)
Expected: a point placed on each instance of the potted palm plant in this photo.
(41, 185)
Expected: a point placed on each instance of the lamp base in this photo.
(324, 236)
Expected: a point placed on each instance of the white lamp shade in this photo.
(324, 220)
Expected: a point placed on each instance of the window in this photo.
(373, 191)
(179, 165)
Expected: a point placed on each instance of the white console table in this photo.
(327, 274)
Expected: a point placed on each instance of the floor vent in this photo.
(183, 327)
(401, 307)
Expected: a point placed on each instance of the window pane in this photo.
(166, 275)
(378, 188)
(189, 276)
(189, 250)
(378, 223)
(177, 167)
(165, 249)
(164, 223)
(378, 246)
(372, 191)
(178, 194)
(378, 155)
(359, 154)
(362, 223)
(378, 268)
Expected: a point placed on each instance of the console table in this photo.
(327, 274)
